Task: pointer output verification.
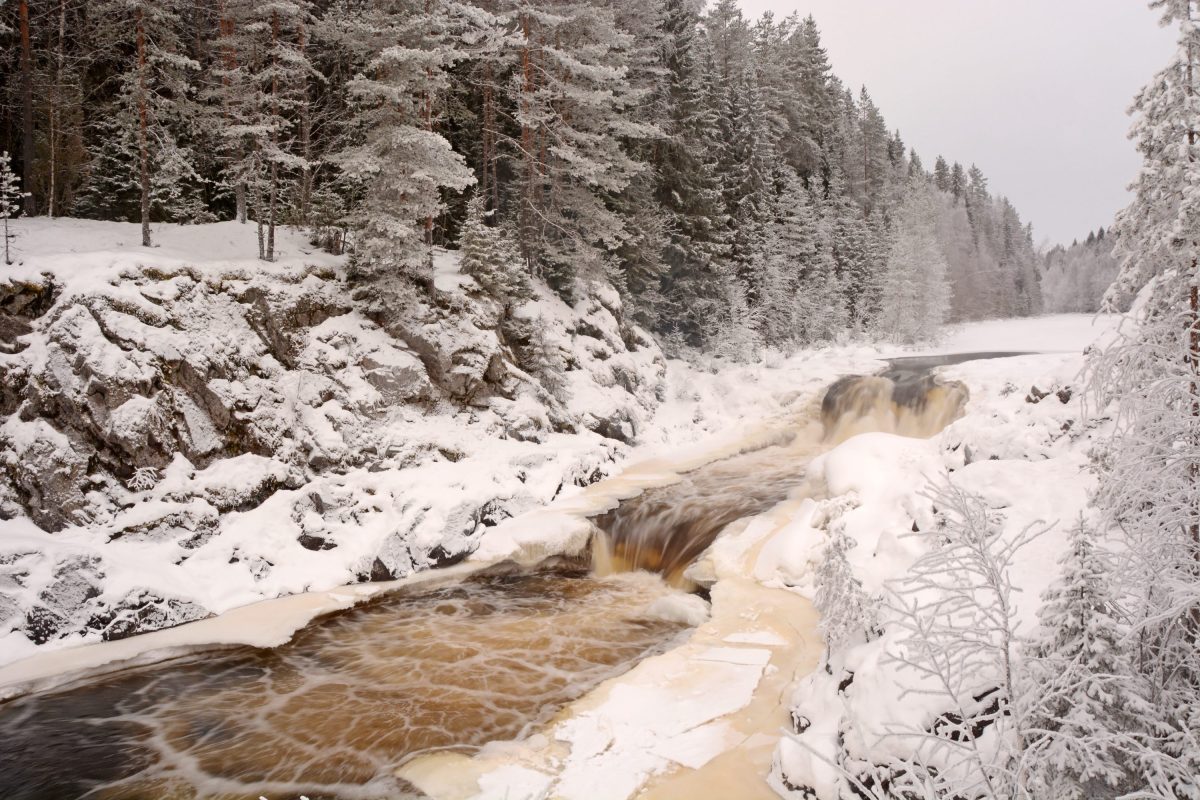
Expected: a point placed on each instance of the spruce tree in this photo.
(958, 181)
(817, 98)
(490, 257)
(689, 186)
(941, 175)
(803, 301)
(1150, 489)
(1089, 704)
(847, 613)
(11, 198)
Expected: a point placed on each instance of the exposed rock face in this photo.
(160, 405)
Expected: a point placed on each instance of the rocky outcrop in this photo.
(154, 405)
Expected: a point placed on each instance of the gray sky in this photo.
(1033, 91)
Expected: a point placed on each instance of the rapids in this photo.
(665, 530)
(452, 665)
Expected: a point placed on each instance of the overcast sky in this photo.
(1033, 91)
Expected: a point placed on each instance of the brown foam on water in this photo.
(333, 712)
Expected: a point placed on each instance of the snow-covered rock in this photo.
(1023, 447)
(189, 429)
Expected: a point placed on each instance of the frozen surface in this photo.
(1067, 333)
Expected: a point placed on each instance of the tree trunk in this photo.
(258, 217)
(143, 144)
(239, 198)
(225, 26)
(306, 175)
(55, 99)
(271, 201)
(527, 144)
(488, 188)
(1194, 348)
(427, 113)
(26, 111)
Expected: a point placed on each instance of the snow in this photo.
(89, 250)
(358, 463)
(1028, 459)
(1050, 333)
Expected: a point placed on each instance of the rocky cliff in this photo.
(186, 429)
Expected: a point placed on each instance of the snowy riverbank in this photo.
(705, 719)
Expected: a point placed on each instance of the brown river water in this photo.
(494, 656)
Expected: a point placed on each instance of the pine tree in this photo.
(144, 139)
(1089, 703)
(399, 159)
(11, 198)
(572, 99)
(263, 72)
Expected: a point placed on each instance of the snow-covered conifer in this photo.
(847, 612)
(802, 300)
(399, 159)
(915, 295)
(572, 97)
(489, 256)
(1150, 490)
(11, 197)
(1088, 704)
(263, 73)
(146, 150)
(941, 175)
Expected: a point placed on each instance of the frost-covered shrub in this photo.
(144, 479)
